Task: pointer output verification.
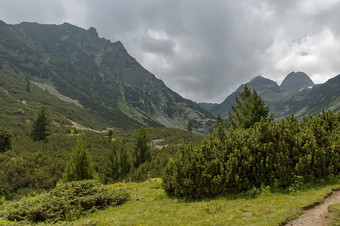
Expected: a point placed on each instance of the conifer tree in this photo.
(190, 125)
(40, 128)
(141, 147)
(80, 166)
(111, 171)
(248, 110)
(28, 86)
(118, 165)
(219, 128)
(5, 140)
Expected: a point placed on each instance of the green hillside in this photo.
(98, 74)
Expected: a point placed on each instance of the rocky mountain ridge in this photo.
(101, 75)
(296, 95)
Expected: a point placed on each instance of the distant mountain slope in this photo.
(18, 106)
(297, 81)
(99, 74)
(266, 88)
(284, 102)
(312, 101)
(207, 106)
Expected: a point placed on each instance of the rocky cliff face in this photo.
(100, 74)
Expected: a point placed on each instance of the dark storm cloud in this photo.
(205, 49)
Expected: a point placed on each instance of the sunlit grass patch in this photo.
(150, 205)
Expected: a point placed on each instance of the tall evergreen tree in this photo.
(190, 125)
(118, 165)
(219, 128)
(111, 170)
(80, 166)
(5, 140)
(141, 147)
(248, 110)
(40, 128)
(28, 86)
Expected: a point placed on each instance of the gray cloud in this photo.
(205, 49)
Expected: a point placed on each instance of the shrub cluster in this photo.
(67, 201)
(269, 153)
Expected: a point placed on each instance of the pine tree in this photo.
(109, 135)
(219, 129)
(111, 170)
(248, 110)
(80, 166)
(28, 86)
(141, 148)
(40, 129)
(190, 125)
(124, 159)
(5, 140)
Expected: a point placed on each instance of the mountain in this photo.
(266, 88)
(285, 100)
(311, 101)
(97, 74)
(207, 106)
(297, 81)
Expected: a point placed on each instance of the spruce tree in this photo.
(28, 86)
(190, 125)
(40, 128)
(112, 166)
(80, 166)
(219, 131)
(5, 140)
(248, 110)
(141, 147)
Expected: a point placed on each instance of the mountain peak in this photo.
(297, 81)
(92, 31)
(260, 81)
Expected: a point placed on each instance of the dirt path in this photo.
(318, 214)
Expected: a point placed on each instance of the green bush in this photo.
(67, 201)
(5, 140)
(277, 154)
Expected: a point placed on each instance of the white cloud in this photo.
(315, 6)
(75, 12)
(315, 54)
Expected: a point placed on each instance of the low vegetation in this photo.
(255, 151)
(335, 210)
(250, 169)
(67, 201)
(150, 205)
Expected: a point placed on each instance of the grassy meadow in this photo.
(149, 205)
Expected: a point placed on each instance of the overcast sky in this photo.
(204, 49)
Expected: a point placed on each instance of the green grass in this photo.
(335, 209)
(150, 205)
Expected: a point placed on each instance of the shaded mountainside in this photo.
(97, 73)
(297, 81)
(284, 101)
(207, 106)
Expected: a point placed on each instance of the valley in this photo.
(88, 136)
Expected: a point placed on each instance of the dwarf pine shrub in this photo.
(269, 153)
(68, 201)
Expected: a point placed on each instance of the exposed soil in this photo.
(317, 214)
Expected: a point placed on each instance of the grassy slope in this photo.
(12, 93)
(149, 205)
